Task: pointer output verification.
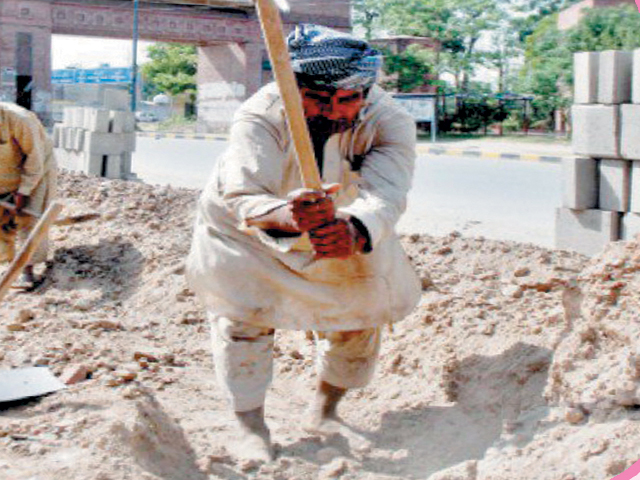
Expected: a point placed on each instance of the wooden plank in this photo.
(29, 248)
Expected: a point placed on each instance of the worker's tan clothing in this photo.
(251, 277)
(27, 166)
(243, 357)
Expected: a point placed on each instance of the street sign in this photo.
(109, 75)
(421, 108)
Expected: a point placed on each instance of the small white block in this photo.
(630, 131)
(114, 167)
(635, 187)
(596, 130)
(580, 183)
(630, 226)
(586, 231)
(586, 72)
(615, 184)
(636, 76)
(614, 83)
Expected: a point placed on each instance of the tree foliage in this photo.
(457, 24)
(171, 70)
(548, 69)
(409, 69)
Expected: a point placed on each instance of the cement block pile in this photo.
(601, 193)
(96, 141)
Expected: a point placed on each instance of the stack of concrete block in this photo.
(96, 141)
(601, 198)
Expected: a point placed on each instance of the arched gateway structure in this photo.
(232, 57)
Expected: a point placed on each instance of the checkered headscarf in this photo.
(325, 58)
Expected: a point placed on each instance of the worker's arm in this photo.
(29, 138)
(387, 172)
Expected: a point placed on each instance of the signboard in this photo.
(103, 75)
(421, 108)
(8, 76)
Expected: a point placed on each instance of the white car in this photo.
(146, 117)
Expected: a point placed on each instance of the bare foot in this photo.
(323, 413)
(28, 280)
(256, 437)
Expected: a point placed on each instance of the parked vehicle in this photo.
(146, 117)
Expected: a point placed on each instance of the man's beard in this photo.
(323, 126)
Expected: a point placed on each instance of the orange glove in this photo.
(20, 201)
(338, 239)
(313, 208)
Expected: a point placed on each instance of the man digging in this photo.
(28, 179)
(267, 254)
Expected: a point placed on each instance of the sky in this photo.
(91, 52)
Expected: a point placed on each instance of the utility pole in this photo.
(134, 66)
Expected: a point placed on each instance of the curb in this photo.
(421, 148)
(459, 152)
(187, 136)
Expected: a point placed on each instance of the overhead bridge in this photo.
(231, 55)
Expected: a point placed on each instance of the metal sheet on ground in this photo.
(22, 383)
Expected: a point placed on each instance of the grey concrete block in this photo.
(615, 185)
(122, 122)
(93, 164)
(630, 131)
(115, 99)
(614, 83)
(77, 119)
(596, 130)
(69, 160)
(67, 116)
(114, 167)
(126, 164)
(67, 138)
(630, 226)
(586, 73)
(635, 80)
(634, 205)
(586, 231)
(97, 120)
(56, 137)
(109, 143)
(580, 183)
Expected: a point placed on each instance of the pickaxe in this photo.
(271, 25)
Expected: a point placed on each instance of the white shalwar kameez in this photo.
(252, 283)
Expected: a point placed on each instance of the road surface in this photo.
(497, 199)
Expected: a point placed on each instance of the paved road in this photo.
(498, 199)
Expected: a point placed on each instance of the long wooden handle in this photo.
(30, 246)
(271, 24)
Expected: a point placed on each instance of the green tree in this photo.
(409, 69)
(548, 69)
(171, 70)
(531, 12)
(457, 24)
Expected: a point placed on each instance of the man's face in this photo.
(332, 111)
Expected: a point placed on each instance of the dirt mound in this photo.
(519, 363)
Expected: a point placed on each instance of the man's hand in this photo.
(313, 208)
(20, 201)
(338, 239)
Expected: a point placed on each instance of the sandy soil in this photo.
(519, 363)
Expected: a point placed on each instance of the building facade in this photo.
(571, 16)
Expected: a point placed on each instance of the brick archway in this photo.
(227, 33)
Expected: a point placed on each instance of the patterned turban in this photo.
(323, 58)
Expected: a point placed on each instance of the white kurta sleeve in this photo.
(252, 171)
(387, 173)
(252, 177)
(26, 133)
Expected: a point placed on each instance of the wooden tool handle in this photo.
(271, 24)
(28, 249)
(12, 208)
